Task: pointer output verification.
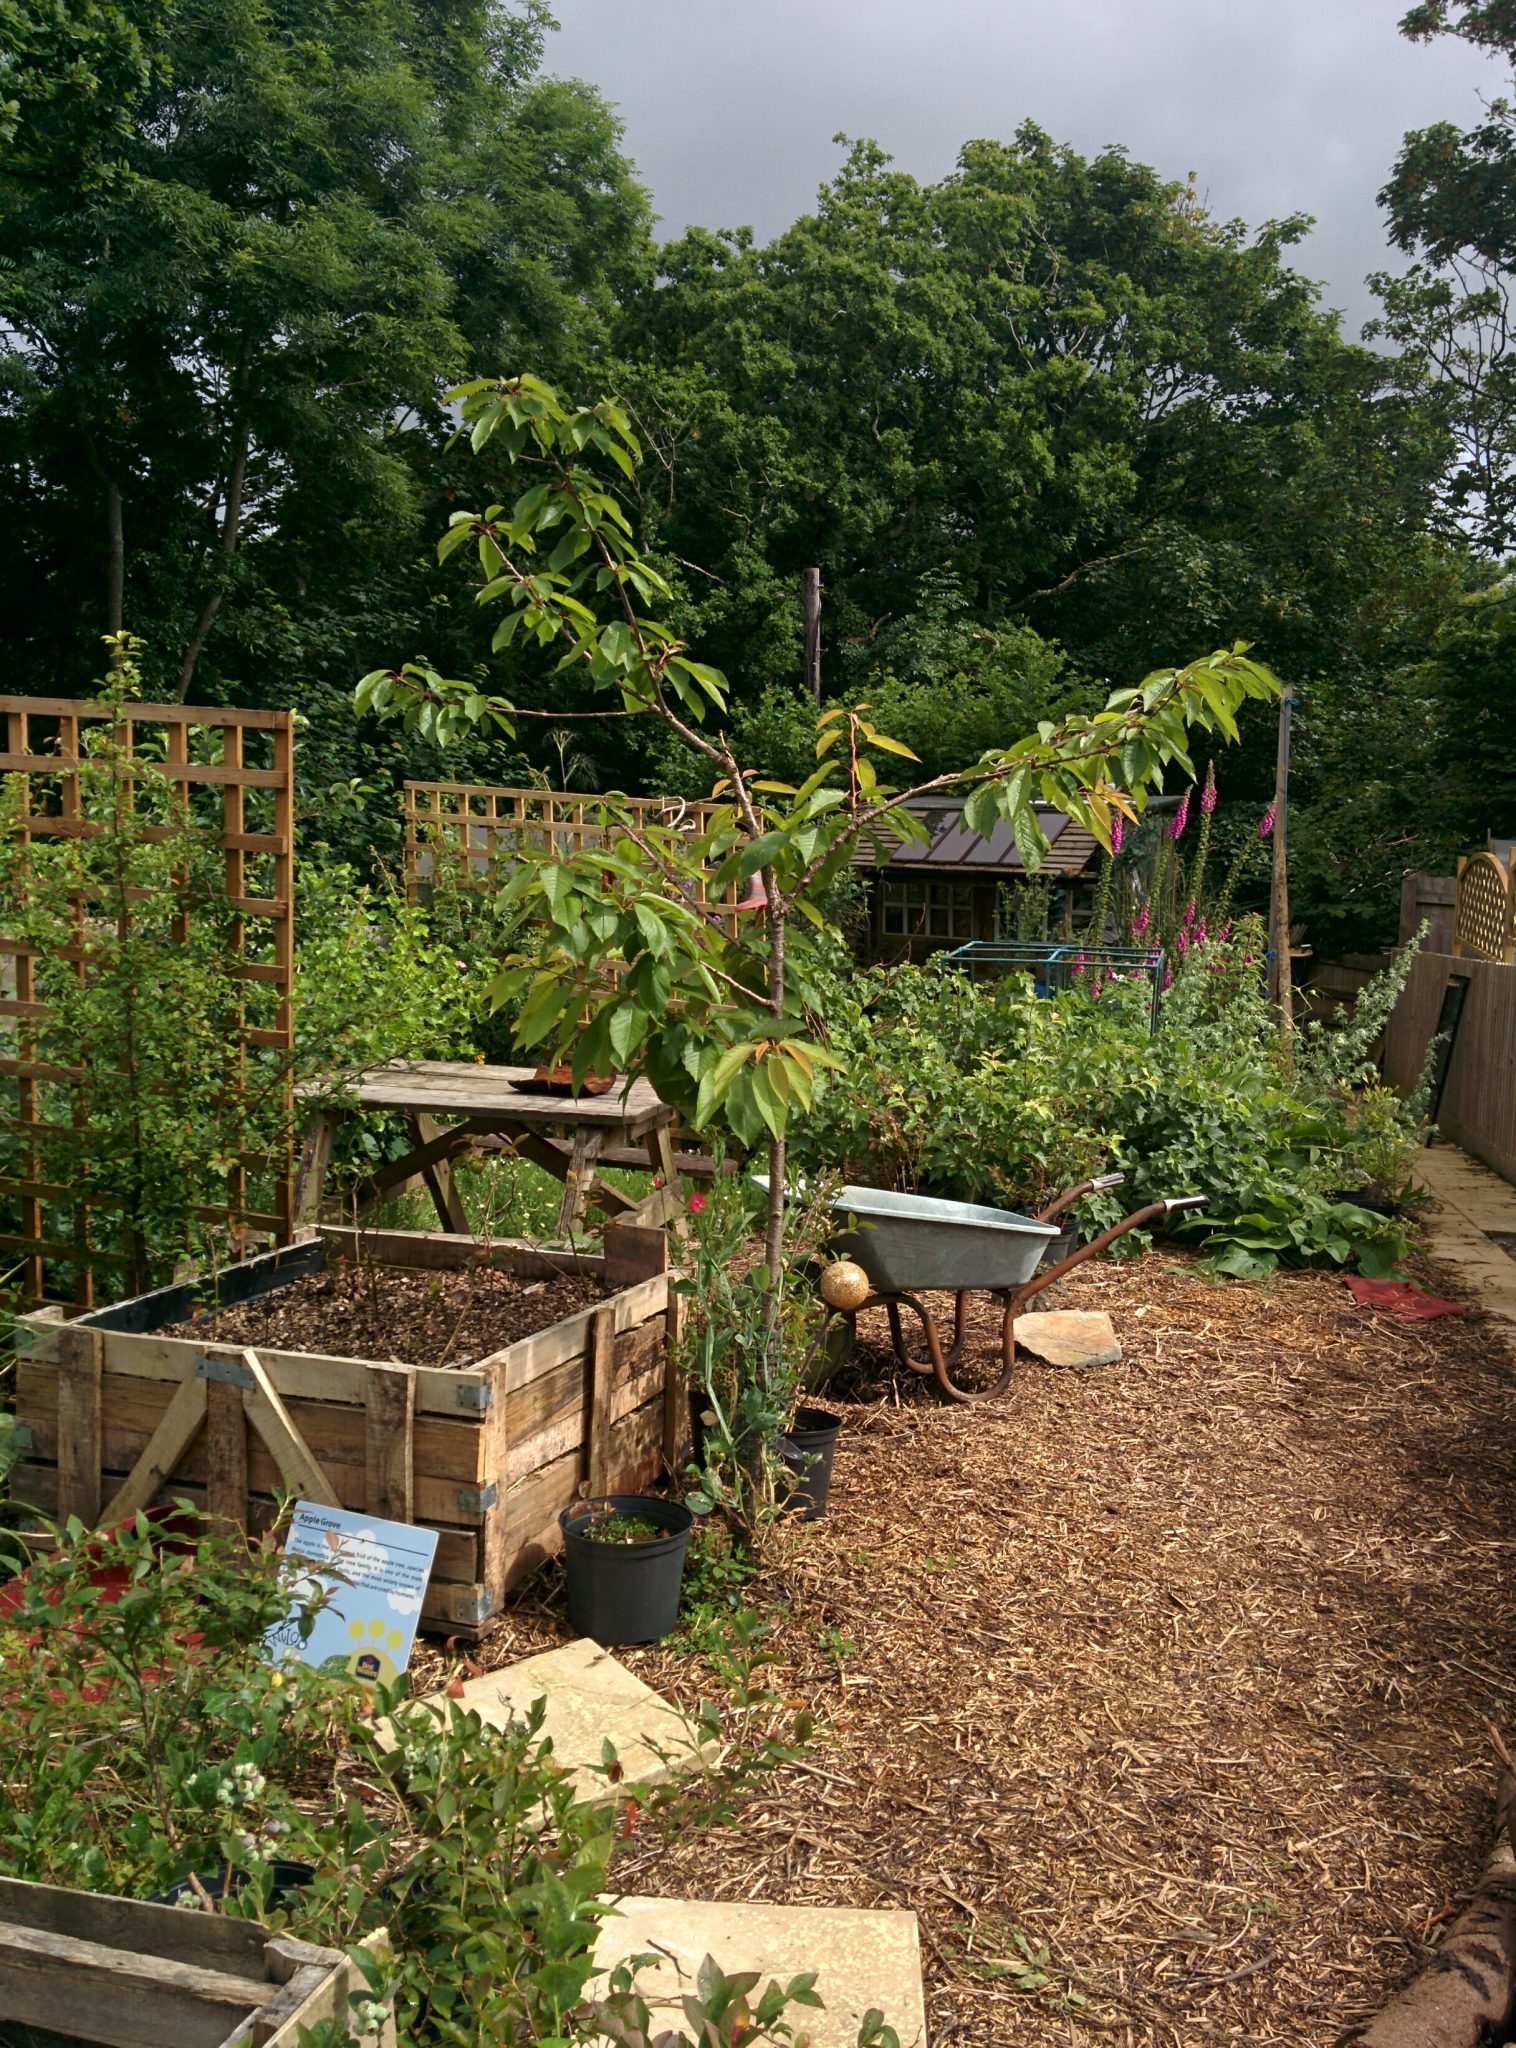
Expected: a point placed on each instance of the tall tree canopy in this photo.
(244, 247)
(1056, 384)
(1451, 205)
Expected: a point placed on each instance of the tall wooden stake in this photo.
(1281, 987)
(810, 600)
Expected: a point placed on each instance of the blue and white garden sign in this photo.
(374, 1575)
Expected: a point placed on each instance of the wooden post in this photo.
(1281, 990)
(810, 601)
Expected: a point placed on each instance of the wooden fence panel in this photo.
(1479, 1104)
(1429, 900)
(465, 831)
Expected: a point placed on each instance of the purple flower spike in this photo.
(1266, 823)
(1181, 817)
(1224, 934)
(1168, 978)
(1117, 831)
(1141, 921)
(1189, 911)
(1208, 794)
(1182, 941)
(1200, 933)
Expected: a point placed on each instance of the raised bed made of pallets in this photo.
(124, 1974)
(113, 1415)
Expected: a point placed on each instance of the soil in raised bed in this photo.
(392, 1314)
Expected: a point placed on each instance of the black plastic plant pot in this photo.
(807, 1448)
(625, 1592)
(285, 1879)
(1061, 1247)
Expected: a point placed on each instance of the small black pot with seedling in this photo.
(625, 1558)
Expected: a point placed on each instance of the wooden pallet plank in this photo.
(181, 1424)
(269, 1416)
(389, 1442)
(79, 1366)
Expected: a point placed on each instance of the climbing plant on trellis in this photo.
(146, 1028)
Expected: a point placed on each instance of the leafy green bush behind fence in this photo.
(983, 1092)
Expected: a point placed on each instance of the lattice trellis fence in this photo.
(1485, 914)
(218, 784)
(465, 832)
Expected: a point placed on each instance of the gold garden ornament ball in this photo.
(844, 1284)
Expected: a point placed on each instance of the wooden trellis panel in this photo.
(467, 831)
(1485, 915)
(192, 749)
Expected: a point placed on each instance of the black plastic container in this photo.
(286, 1878)
(1061, 1247)
(625, 1592)
(807, 1448)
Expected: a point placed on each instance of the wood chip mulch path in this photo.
(1166, 1697)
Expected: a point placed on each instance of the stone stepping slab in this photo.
(591, 1700)
(862, 1959)
(1069, 1336)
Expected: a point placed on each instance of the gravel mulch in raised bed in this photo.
(1176, 1668)
(390, 1313)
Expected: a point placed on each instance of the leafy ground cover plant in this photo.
(983, 1092)
(145, 1739)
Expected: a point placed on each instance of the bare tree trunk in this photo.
(810, 594)
(115, 574)
(231, 525)
(1464, 1997)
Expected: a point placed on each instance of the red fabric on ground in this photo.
(1402, 1299)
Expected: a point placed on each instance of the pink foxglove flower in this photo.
(1266, 823)
(1200, 933)
(1181, 817)
(1208, 794)
(1141, 921)
(1182, 941)
(1097, 984)
(1189, 912)
(1224, 934)
(1168, 978)
(1118, 824)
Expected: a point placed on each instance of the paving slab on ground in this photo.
(591, 1699)
(1069, 1336)
(1471, 1201)
(862, 1959)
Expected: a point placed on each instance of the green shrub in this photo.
(983, 1092)
(147, 1740)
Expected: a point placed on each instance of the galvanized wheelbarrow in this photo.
(907, 1244)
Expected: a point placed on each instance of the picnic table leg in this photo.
(438, 1175)
(310, 1172)
(581, 1169)
(660, 1152)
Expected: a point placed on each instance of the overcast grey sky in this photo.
(1281, 106)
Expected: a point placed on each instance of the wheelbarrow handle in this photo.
(1071, 1195)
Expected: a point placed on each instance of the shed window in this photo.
(919, 908)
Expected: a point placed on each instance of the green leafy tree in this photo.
(1452, 208)
(238, 244)
(635, 970)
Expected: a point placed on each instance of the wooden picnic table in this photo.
(448, 1104)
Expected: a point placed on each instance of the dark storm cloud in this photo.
(1280, 106)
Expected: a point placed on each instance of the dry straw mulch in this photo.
(1175, 1670)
